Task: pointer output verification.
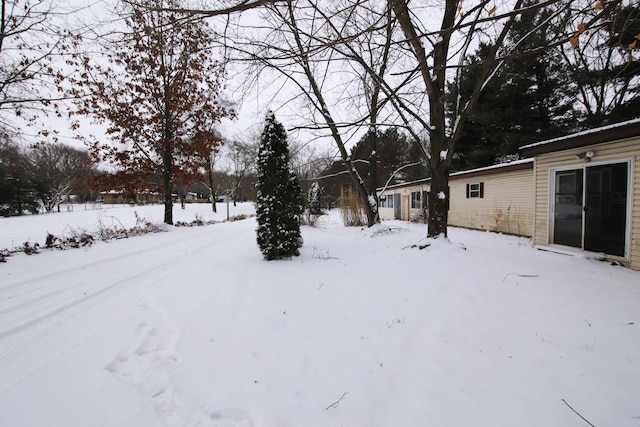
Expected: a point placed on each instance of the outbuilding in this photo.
(587, 192)
(495, 198)
(576, 194)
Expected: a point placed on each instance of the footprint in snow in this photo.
(231, 417)
(148, 363)
(148, 366)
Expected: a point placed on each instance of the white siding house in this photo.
(587, 192)
(580, 192)
(496, 198)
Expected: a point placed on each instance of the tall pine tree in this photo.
(530, 98)
(279, 201)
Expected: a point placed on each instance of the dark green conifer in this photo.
(279, 199)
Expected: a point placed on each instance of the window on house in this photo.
(383, 201)
(415, 200)
(475, 191)
(389, 200)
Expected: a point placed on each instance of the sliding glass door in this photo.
(567, 225)
(606, 209)
(590, 210)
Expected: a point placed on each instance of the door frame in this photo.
(397, 207)
(630, 190)
(406, 206)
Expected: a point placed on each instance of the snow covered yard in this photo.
(192, 328)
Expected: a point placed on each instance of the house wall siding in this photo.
(605, 152)
(506, 205)
(407, 214)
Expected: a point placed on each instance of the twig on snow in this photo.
(337, 402)
(387, 230)
(318, 255)
(519, 275)
(417, 246)
(390, 324)
(578, 413)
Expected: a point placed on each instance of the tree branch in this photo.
(337, 402)
(577, 413)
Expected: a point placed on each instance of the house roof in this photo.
(487, 170)
(499, 168)
(614, 132)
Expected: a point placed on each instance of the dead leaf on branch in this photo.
(574, 42)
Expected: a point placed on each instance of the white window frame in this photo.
(551, 200)
(416, 203)
(475, 193)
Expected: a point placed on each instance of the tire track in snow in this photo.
(28, 321)
(44, 278)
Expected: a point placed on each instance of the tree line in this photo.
(42, 177)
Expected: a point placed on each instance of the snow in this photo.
(191, 327)
(583, 133)
(441, 195)
(492, 167)
(443, 154)
(468, 171)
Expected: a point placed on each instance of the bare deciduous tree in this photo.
(300, 44)
(59, 170)
(606, 66)
(32, 44)
(241, 160)
(438, 54)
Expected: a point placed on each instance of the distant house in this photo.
(122, 197)
(578, 192)
(587, 191)
(495, 198)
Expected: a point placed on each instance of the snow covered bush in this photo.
(315, 194)
(314, 209)
(279, 201)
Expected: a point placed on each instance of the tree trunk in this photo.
(212, 189)
(373, 170)
(438, 201)
(168, 201)
(167, 160)
(167, 184)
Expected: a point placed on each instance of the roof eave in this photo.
(606, 134)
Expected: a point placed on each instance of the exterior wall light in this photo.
(586, 156)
